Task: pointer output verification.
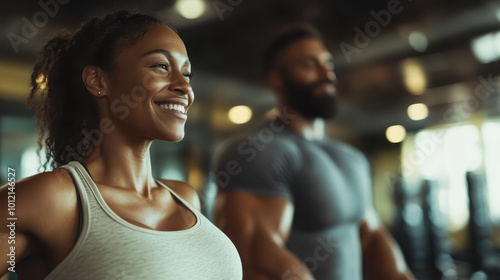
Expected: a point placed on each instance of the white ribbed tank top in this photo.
(110, 248)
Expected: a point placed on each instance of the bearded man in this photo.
(297, 204)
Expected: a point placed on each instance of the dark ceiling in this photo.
(225, 46)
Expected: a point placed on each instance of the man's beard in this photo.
(302, 98)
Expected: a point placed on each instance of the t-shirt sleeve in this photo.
(265, 170)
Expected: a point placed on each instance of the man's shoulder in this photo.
(346, 149)
(260, 146)
(261, 137)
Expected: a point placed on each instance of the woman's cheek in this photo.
(151, 83)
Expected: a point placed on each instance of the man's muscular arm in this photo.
(382, 258)
(259, 227)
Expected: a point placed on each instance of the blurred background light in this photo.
(486, 48)
(190, 9)
(491, 138)
(418, 111)
(427, 143)
(240, 114)
(174, 171)
(418, 41)
(30, 163)
(395, 133)
(414, 77)
(272, 113)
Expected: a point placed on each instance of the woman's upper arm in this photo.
(13, 242)
(29, 211)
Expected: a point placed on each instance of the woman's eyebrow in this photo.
(165, 53)
(160, 51)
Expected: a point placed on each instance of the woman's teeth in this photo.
(175, 107)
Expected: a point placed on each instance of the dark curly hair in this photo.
(64, 108)
(284, 39)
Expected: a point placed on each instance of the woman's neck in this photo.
(119, 163)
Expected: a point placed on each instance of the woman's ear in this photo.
(95, 80)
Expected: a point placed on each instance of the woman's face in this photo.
(149, 92)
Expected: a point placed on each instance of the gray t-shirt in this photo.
(327, 181)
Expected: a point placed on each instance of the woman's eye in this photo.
(161, 66)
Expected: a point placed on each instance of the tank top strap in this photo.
(182, 200)
(86, 204)
(83, 182)
(94, 211)
(74, 169)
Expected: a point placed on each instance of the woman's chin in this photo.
(174, 137)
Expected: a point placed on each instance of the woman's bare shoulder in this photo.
(45, 207)
(44, 185)
(41, 198)
(187, 192)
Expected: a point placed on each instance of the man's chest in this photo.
(331, 188)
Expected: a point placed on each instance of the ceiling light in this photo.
(418, 111)
(395, 133)
(190, 9)
(418, 41)
(414, 77)
(240, 114)
(486, 48)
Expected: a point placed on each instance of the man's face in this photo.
(308, 80)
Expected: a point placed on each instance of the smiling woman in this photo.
(102, 94)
